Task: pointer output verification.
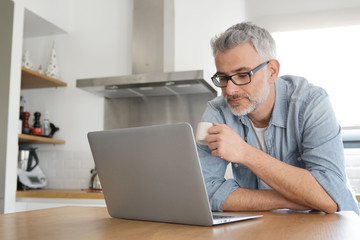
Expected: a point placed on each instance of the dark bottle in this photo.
(37, 126)
(26, 127)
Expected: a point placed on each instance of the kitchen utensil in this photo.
(28, 158)
(94, 183)
(29, 172)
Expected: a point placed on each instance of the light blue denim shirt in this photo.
(302, 132)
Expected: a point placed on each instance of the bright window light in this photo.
(328, 58)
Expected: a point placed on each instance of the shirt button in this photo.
(299, 158)
(236, 165)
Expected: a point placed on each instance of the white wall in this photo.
(97, 45)
(6, 27)
(10, 53)
(196, 22)
(284, 15)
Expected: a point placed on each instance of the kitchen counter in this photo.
(92, 223)
(64, 193)
(57, 193)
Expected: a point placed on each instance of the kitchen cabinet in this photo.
(47, 198)
(31, 79)
(64, 193)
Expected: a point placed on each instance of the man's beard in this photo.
(254, 102)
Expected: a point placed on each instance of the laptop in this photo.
(153, 173)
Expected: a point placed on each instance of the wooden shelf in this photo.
(32, 79)
(32, 139)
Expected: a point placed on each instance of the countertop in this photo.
(93, 223)
(60, 193)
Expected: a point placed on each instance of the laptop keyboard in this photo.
(222, 216)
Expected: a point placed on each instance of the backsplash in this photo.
(66, 169)
(71, 169)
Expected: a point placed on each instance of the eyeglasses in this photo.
(238, 78)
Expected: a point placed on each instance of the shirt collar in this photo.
(279, 116)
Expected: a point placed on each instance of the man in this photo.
(279, 133)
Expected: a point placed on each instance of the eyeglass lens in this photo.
(239, 79)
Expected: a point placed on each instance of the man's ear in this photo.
(273, 70)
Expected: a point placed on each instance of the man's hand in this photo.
(226, 143)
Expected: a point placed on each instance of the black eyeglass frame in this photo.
(252, 72)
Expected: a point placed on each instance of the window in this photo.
(328, 58)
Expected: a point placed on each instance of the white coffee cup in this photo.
(202, 132)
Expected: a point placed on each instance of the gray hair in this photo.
(242, 33)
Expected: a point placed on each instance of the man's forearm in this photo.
(243, 199)
(295, 184)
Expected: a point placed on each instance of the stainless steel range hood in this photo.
(152, 52)
(147, 85)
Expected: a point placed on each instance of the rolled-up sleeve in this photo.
(213, 168)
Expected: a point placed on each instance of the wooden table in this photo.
(95, 223)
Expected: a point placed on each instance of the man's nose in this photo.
(231, 88)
